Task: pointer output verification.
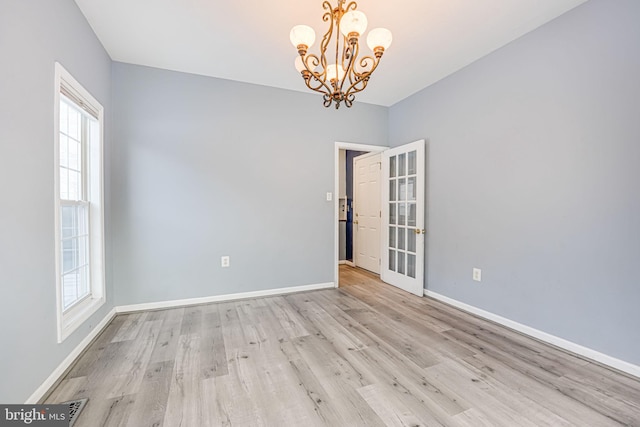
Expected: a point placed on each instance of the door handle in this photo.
(355, 222)
(420, 231)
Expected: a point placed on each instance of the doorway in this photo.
(344, 210)
(402, 208)
(346, 206)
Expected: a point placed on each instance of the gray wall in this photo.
(533, 176)
(33, 35)
(205, 167)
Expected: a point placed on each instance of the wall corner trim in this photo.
(68, 361)
(220, 298)
(572, 347)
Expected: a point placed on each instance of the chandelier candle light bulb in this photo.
(302, 35)
(339, 81)
(334, 70)
(353, 24)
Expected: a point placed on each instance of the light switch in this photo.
(329, 196)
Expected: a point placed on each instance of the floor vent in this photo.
(75, 406)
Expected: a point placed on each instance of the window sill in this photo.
(77, 316)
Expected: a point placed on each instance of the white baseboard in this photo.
(342, 261)
(351, 263)
(68, 361)
(578, 349)
(220, 298)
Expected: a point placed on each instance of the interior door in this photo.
(403, 201)
(366, 211)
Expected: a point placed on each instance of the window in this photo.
(79, 203)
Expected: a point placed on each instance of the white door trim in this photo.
(336, 188)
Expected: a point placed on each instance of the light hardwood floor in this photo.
(366, 354)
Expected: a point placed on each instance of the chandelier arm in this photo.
(355, 89)
(362, 78)
(348, 100)
(321, 88)
(367, 62)
(319, 77)
(351, 6)
(338, 18)
(350, 70)
(327, 17)
(345, 55)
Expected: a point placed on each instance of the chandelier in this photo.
(349, 74)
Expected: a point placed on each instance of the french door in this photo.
(403, 217)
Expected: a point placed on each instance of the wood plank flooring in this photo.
(366, 354)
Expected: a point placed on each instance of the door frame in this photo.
(336, 188)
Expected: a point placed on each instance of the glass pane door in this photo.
(402, 213)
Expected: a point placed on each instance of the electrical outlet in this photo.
(224, 261)
(477, 275)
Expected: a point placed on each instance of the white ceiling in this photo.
(248, 40)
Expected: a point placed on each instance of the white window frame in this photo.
(69, 320)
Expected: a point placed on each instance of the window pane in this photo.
(411, 239)
(401, 269)
(83, 282)
(74, 153)
(392, 237)
(64, 151)
(392, 190)
(401, 233)
(68, 221)
(411, 170)
(83, 219)
(74, 261)
(64, 184)
(402, 189)
(94, 131)
(74, 185)
(402, 168)
(69, 255)
(69, 290)
(411, 218)
(411, 265)
(411, 188)
(64, 118)
(402, 214)
(75, 120)
(392, 260)
(392, 213)
(83, 250)
(392, 166)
